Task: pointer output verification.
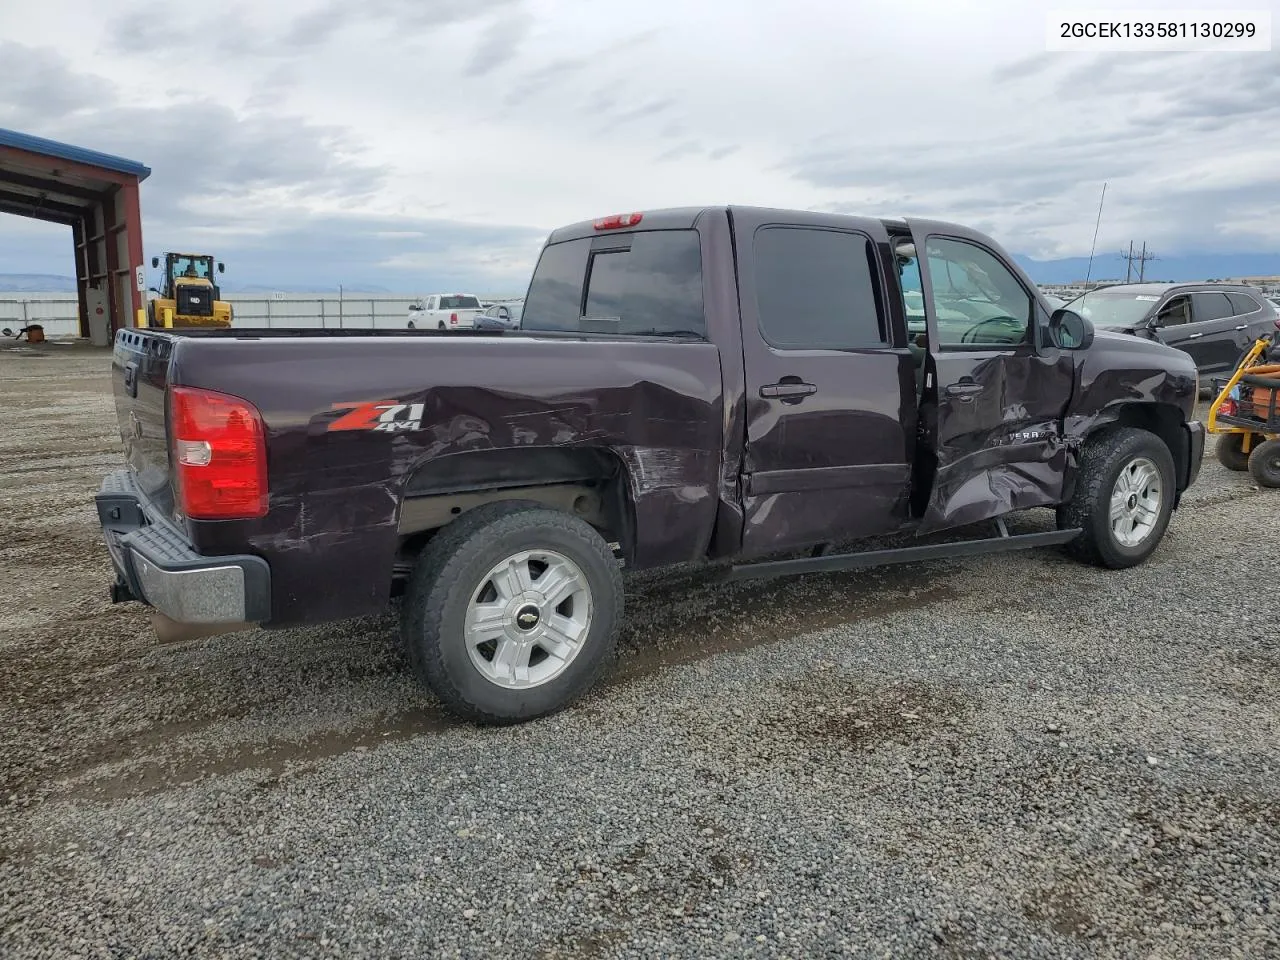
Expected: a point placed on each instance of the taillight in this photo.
(219, 454)
(619, 220)
(453, 318)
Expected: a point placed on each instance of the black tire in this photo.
(452, 568)
(441, 325)
(411, 326)
(1264, 463)
(1230, 450)
(1101, 462)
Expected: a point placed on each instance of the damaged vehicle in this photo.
(740, 385)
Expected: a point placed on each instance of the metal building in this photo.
(96, 195)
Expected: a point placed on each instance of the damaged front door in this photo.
(996, 393)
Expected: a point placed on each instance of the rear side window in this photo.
(643, 283)
(1242, 303)
(1210, 306)
(459, 303)
(815, 289)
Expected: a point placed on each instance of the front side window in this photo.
(815, 289)
(1175, 313)
(976, 299)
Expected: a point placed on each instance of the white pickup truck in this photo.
(444, 311)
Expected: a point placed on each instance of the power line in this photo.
(1140, 258)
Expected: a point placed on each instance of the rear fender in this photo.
(591, 482)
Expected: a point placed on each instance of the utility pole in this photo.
(1141, 258)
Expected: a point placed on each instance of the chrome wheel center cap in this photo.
(528, 617)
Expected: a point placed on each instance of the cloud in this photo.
(566, 70)
(210, 162)
(681, 150)
(404, 254)
(336, 17)
(1155, 127)
(38, 82)
(254, 187)
(500, 43)
(396, 121)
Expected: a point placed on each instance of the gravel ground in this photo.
(1012, 756)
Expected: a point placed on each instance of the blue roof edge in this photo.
(67, 151)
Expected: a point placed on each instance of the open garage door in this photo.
(96, 195)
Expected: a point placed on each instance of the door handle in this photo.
(965, 390)
(1243, 326)
(1194, 336)
(788, 390)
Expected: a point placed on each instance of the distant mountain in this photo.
(1109, 266)
(53, 283)
(36, 283)
(1106, 266)
(305, 288)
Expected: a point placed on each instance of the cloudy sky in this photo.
(415, 144)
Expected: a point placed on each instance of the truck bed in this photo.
(650, 408)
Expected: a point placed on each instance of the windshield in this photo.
(199, 267)
(1113, 308)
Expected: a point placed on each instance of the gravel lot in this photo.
(1012, 756)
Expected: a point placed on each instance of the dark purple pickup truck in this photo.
(738, 384)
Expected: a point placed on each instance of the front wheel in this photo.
(512, 612)
(1264, 463)
(1123, 499)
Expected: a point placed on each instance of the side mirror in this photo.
(155, 262)
(222, 267)
(1069, 330)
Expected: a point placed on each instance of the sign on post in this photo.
(140, 277)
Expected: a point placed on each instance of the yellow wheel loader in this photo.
(188, 295)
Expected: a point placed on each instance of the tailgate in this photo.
(139, 376)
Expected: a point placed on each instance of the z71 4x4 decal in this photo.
(385, 416)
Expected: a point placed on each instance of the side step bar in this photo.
(881, 558)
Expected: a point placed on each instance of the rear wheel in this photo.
(512, 612)
(441, 326)
(1264, 463)
(1123, 498)
(1230, 450)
